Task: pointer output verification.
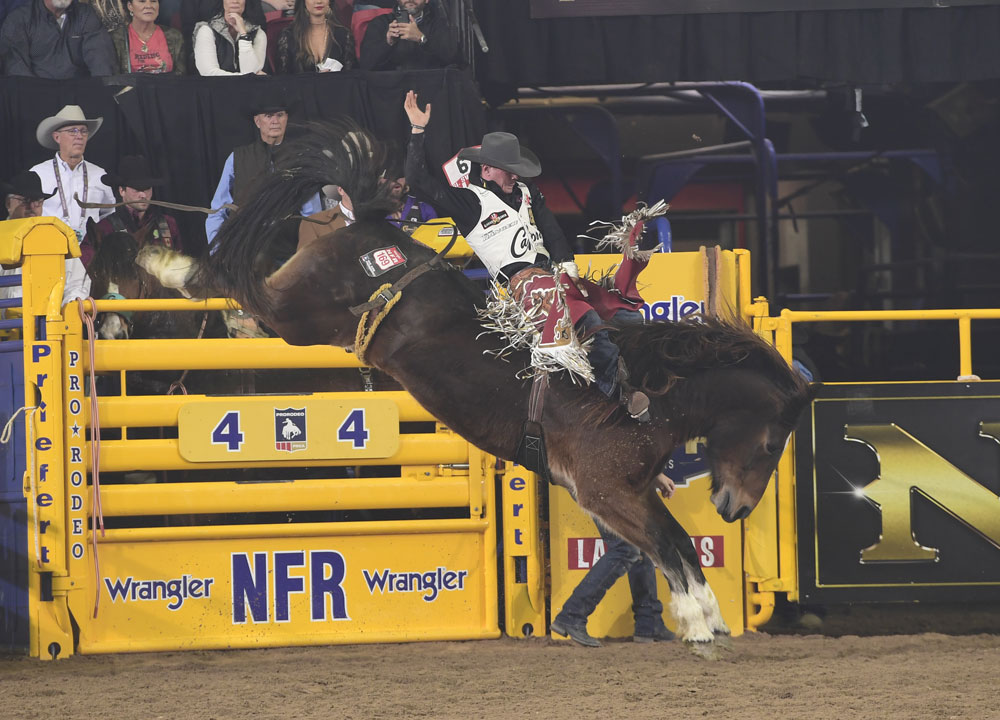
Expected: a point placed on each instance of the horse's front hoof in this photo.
(706, 650)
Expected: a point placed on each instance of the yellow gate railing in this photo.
(236, 521)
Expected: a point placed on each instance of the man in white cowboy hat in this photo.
(23, 198)
(137, 217)
(67, 175)
(58, 39)
(517, 238)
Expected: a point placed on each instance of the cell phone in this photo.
(400, 15)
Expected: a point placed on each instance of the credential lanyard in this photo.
(59, 185)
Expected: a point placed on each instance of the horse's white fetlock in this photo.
(691, 624)
(709, 604)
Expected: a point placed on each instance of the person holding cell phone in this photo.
(416, 35)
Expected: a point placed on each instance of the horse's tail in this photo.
(335, 153)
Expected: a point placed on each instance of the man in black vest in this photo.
(135, 182)
(248, 162)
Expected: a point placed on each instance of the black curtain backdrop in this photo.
(853, 46)
(187, 126)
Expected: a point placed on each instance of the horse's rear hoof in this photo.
(705, 650)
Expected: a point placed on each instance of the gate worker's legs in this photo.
(619, 557)
(646, 606)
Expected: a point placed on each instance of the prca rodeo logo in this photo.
(290, 429)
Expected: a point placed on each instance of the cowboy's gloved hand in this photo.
(569, 267)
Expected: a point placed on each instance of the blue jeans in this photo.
(619, 557)
(603, 353)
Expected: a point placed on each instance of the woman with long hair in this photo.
(315, 41)
(143, 46)
(229, 43)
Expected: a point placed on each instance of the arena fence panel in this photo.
(897, 488)
(225, 521)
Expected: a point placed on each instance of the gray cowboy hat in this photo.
(503, 150)
(26, 184)
(133, 172)
(69, 115)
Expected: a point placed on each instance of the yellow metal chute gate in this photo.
(228, 560)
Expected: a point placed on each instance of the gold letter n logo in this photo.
(907, 465)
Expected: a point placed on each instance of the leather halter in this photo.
(389, 293)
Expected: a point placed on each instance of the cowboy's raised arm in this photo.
(460, 204)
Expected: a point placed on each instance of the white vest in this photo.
(502, 235)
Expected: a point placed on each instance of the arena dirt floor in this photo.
(786, 673)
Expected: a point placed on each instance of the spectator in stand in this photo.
(24, 198)
(67, 175)
(145, 222)
(247, 162)
(142, 46)
(228, 44)
(23, 195)
(57, 39)
(411, 212)
(315, 41)
(414, 36)
(193, 12)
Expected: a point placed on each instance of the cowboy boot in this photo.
(636, 402)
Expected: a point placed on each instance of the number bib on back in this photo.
(502, 235)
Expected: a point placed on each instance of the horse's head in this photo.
(719, 380)
(124, 267)
(114, 275)
(169, 268)
(745, 441)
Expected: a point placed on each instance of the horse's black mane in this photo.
(338, 153)
(659, 355)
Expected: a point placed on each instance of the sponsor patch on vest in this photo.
(378, 262)
(494, 219)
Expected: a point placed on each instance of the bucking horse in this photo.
(708, 379)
